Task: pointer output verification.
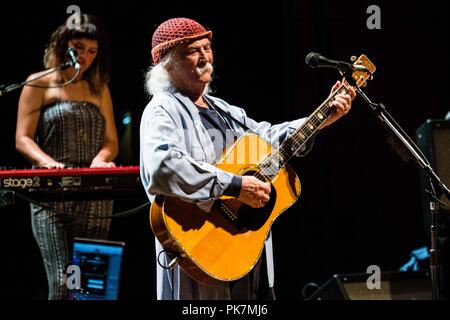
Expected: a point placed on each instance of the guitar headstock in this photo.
(361, 77)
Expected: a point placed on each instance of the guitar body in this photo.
(226, 243)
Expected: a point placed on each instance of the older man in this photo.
(183, 131)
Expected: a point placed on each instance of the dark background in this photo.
(360, 203)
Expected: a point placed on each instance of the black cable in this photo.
(81, 215)
(306, 287)
(172, 286)
(172, 257)
(49, 87)
(4, 90)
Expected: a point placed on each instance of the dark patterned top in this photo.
(71, 132)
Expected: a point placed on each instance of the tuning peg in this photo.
(364, 84)
(353, 58)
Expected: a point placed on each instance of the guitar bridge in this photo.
(226, 211)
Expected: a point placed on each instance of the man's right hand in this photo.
(254, 192)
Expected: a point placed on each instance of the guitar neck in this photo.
(295, 142)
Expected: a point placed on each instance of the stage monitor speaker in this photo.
(411, 285)
(433, 138)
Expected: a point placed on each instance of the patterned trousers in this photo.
(54, 230)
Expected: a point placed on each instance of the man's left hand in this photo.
(342, 103)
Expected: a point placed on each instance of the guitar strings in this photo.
(281, 153)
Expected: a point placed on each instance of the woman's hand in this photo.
(96, 163)
(52, 164)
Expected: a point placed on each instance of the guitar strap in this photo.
(229, 116)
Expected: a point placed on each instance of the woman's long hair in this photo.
(90, 28)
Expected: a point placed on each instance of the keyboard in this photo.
(74, 183)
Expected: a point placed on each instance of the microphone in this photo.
(315, 60)
(72, 53)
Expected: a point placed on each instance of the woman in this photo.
(69, 126)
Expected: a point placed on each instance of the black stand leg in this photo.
(434, 252)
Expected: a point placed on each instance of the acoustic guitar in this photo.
(226, 243)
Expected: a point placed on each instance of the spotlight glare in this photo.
(126, 119)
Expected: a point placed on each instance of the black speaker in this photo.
(433, 138)
(411, 285)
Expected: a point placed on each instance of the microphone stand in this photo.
(6, 89)
(394, 128)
